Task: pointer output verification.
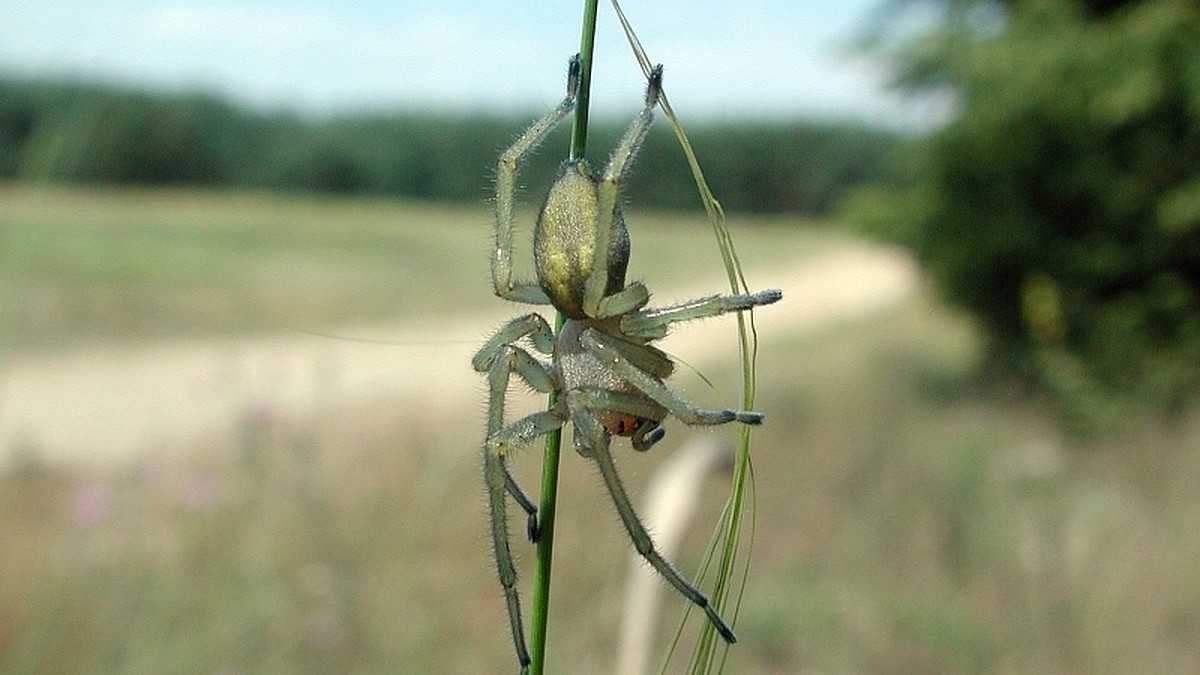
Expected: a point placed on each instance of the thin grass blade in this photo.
(729, 550)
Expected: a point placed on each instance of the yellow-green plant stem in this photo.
(741, 503)
(539, 617)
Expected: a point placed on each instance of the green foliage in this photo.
(764, 168)
(90, 135)
(71, 132)
(1062, 206)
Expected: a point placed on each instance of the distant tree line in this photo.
(83, 133)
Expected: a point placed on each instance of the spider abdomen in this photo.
(564, 241)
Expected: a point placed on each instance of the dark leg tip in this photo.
(769, 296)
(645, 441)
(654, 437)
(574, 72)
(654, 88)
(718, 623)
(750, 417)
(531, 528)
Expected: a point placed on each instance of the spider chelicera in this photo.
(607, 376)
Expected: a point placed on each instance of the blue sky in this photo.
(766, 58)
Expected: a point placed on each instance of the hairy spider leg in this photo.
(510, 360)
(594, 398)
(617, 355)
(506, 179)
(610, 221)
(496, 451)
(532, 326)
(653, 323)
(589, 431)
(646, 435)
(500, 357)
(645, 356)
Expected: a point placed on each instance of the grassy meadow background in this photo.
(910, 518)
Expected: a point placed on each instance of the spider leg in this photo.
(532, 326)
(645, 357)
(617, 355)
(652, 324)
(500, 358)
(611, 225)
(648, 358)
(591, 432)
(648, 432)
(506, 178)
(507, 360)
(499, 482)
(526, 504)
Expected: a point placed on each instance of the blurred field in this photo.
(910, 519)
(120, 265)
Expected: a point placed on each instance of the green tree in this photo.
(78, 132)
(1061, 206)
(88, 134)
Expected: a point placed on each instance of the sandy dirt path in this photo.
(107, 405)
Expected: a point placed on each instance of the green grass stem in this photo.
(549, 497)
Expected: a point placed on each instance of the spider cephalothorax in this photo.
(607, 376)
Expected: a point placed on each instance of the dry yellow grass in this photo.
(910, 518)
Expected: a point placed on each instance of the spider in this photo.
(606, 376)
